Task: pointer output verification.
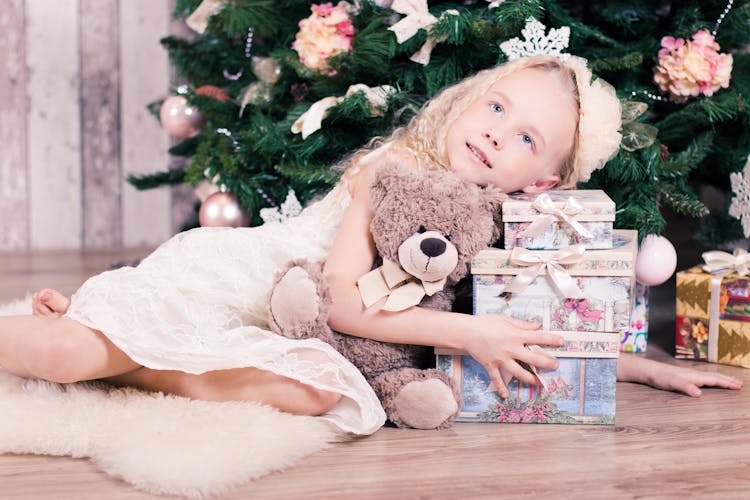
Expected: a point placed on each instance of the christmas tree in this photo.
(285, 89)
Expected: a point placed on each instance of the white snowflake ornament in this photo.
(290, 208)
(536, 42)
(740, 207)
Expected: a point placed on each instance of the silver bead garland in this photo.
(248, 54)
(249, 43)
(722, 16)
(647, 94)
(227, 133)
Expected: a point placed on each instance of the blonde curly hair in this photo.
(596, 139)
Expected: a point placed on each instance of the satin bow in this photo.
(417, 17)
(402, 289)
(549, 212)
(553, 262)
(198, 20)
(312, 119)
(717, 261)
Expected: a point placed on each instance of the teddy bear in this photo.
(426, 226)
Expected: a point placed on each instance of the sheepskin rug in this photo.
(159, 444)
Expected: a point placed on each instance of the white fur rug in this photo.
(159, 444)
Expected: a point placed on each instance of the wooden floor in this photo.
(663, 445)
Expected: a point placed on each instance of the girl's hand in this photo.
(499, 341)
(669, 377)
(685, 379)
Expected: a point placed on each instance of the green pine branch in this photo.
(682, 202)
(149, 181)
(699, 141)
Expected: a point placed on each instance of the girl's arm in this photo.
(632, 368)
(496, 341)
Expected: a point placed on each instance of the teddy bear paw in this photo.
(426, 404)
(295, 301)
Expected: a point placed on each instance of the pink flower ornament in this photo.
(326, 33)
(693, 67)
(669, 43)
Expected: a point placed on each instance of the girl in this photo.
(190, 319)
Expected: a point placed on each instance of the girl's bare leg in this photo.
(58, 349)
(238, 384)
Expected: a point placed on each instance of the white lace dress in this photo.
(198, 303)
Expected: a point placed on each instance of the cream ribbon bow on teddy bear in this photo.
(402, 289)
(425, 260)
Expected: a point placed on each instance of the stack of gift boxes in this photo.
(565, 267)
(713, 309)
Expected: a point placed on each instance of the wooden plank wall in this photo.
(76, 78)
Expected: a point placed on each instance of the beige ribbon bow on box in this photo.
(534, 262)
(549, 212)
(717, 261)
(402, 289)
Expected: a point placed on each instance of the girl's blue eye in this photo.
(527, 140)
(496, 108)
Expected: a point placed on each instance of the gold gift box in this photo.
(713, 317)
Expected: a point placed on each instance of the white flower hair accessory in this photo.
(599, 121)
(599, 108)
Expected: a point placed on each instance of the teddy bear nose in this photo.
(432, 247)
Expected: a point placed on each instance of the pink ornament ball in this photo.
(179, 118)
(222, 209)
(656, 261)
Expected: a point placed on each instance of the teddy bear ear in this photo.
(386, 179)
(493, 202)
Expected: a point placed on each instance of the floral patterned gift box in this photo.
(580, 391)
(569, 289)
(713, 316)
(558, 218)
(635, 339)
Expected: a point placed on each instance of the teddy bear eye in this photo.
(448, 237)
(421, 229)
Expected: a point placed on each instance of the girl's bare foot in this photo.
(49, 303)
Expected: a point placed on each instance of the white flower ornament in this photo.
(536, 42)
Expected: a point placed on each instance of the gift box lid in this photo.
(701, 274)
(617, 261)
(577, 345)
(696, 287)
(594, 205)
